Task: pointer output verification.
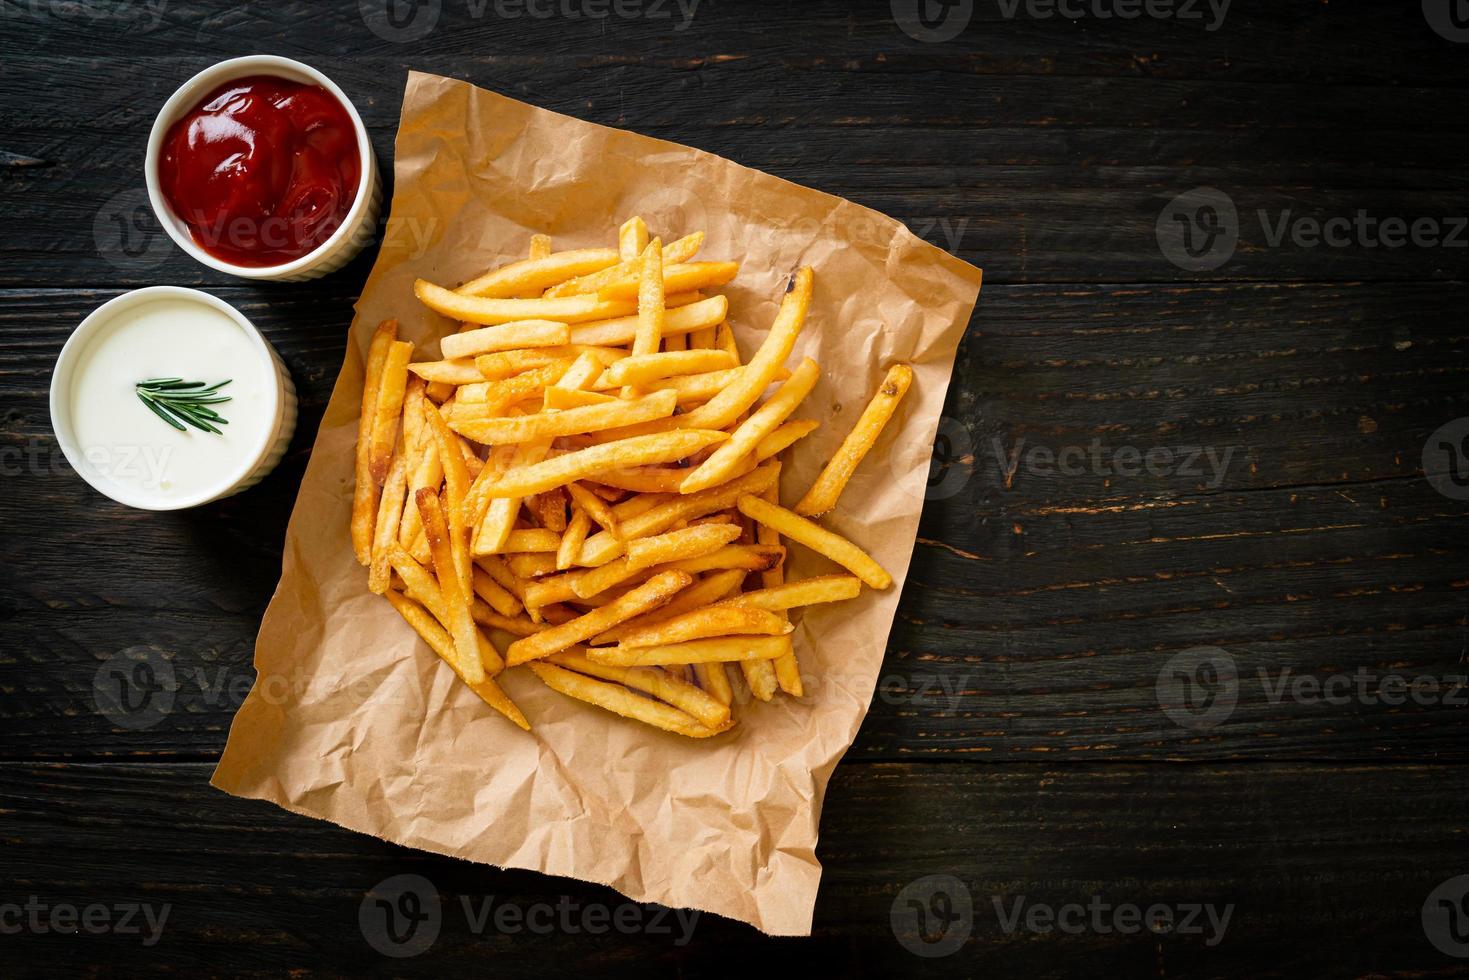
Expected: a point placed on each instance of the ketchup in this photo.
(262, 170)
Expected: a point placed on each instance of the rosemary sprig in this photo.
(178, 401)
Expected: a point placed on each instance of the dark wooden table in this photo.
(1186, 624)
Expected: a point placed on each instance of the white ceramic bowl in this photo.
(261, 454)
(357, 228)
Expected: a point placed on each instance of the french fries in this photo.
(590, 470)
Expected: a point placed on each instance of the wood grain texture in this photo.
(1043, 723)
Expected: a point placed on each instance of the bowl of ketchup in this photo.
(260, 167)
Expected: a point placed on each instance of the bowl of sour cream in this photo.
(166, 398)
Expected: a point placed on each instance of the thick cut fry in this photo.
(474, 309)
(456, 600)
(632, 238)
(723, 649)
(650, 292)
(682, 277)
(729, 455)
(807, 592)
(823, 494)
(572, 540)
(571, 421)
(531, 539)
(680, 318)
(507, 336)
(619, 700)
(389, 513)
(650, 595)
(701, 624)
(690, 542)
(456, 372)
(388, 408)
(654, 681)
(642, 369)
(818, 539)
(539, 273)
(507, 364)
(662, 447)
(440, 642)
(784, 436)
(595, 507)
(365, 495)
(680, 251)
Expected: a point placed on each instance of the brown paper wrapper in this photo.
(352, 719)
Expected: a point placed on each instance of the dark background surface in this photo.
(1018, 742)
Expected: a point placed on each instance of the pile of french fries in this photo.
(587, 471)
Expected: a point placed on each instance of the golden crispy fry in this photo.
(573, 538)
(818, 539)
(365, 495)
(388, 407)
(474, 309)
(389, 513)
(632, 239)
(650, 595)
(750, 557)
(676, 342)
(704, 337)
(662, 447)
(583, 371)
(690, 542)
(456, 487)
(500, 573)
(560, 399)
(682, 277)
(650, 292)
(532, 565)
(680, 251)
(571, 421)
(539, 273)
(680, 318)
(786, 668)
(706, 591)
(703, 623)
(714, 679)
(440, 642)
(654, 681)
(642, 479)
(515, 625)
(596, 509)
(507, 336)
(531, 539)
(496, 595)
(456, 372)
(806, 592)
(784, 436)
(499, 394)
(620, 700)
(723, 649)
(724, 339)
(643, 369)
(823, 494)
(456, 601)
(694, 388)
(729, 455)
(507, 364)
(439, 391)
(419, 583)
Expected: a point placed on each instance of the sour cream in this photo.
(121, 446)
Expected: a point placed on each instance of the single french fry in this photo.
(389, 513)
(786, 667)
(823, 494)
(746, 438)
(441, 643)
(650, 595)
(539, 273)
(724, 339)
(632, 238)
(750, 557)
(496, 595)
(531, 539)
(560, 399)
(427, 472)
(650, 292)
(722, 649)
(700, 624)
(531, 565)
(365, 495)
(419, 583)
(619, 700)
(439, 391)
(662, 447)
(571, 421)
(806, 592)
(456, 600)
(388, 407)
(596, 509)
(643, 369)
(583, 371)
(678, 251)
(693, 389)
(507, 364)
(572, 540)
(499, 394)
(476, 309)
(818, 539)
(651, 680)
(642, 479)
(690, 542)
(456, 487)
(783, 437)
(514, 335)
(681, 277)
(454, 372)
(681, 318)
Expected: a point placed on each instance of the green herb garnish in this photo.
(175, 400)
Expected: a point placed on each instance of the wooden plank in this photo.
(1345, 853)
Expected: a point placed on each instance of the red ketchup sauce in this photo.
(262, 170)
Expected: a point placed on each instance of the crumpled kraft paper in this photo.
(352, 719)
